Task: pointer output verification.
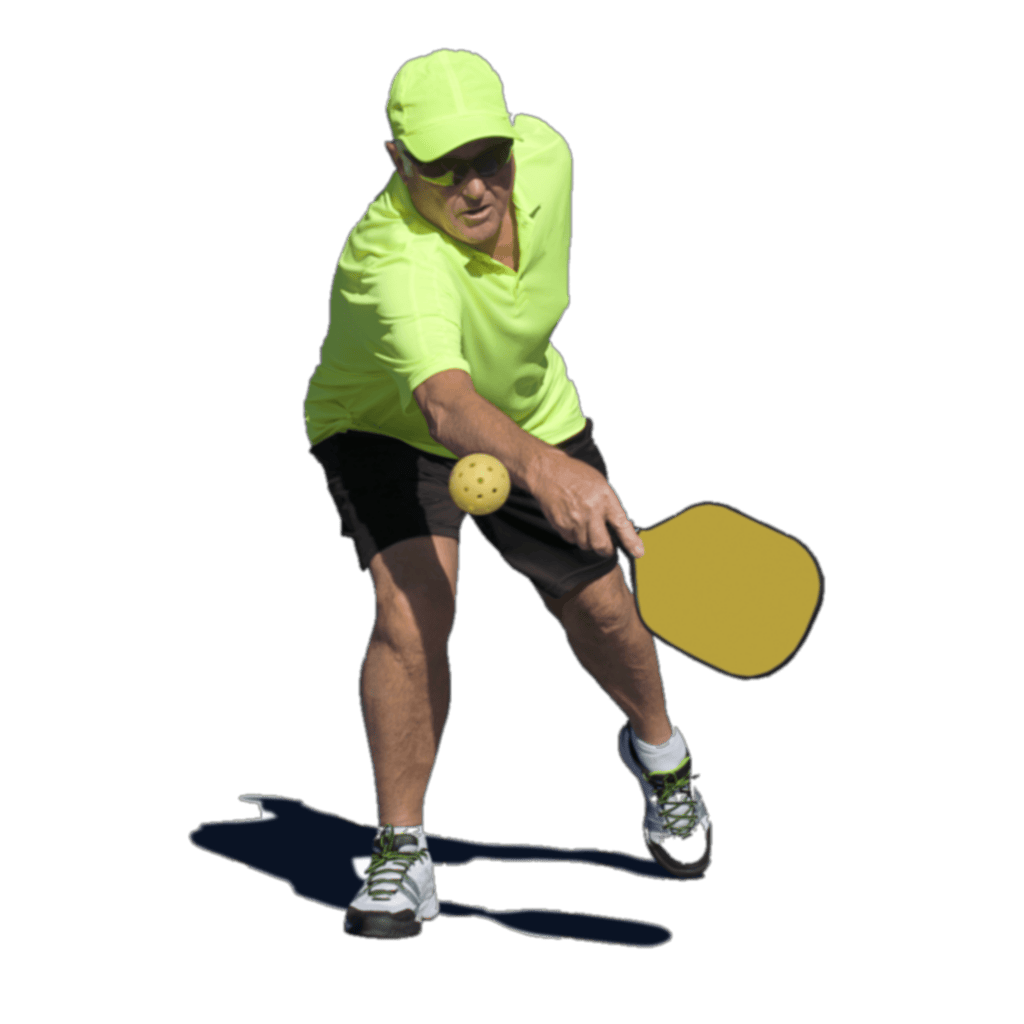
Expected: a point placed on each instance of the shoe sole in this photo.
(380, 927)
(692, 870)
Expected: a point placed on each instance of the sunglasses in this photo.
(453, 172)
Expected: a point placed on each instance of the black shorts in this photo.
(388, 491)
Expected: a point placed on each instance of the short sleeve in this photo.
(417, 330)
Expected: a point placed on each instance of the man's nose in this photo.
(473, 187)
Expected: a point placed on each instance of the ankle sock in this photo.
(664, 757)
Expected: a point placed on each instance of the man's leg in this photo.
(405, 682)
(613, 645)
(605, 631)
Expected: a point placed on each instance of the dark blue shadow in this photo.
(312, 850)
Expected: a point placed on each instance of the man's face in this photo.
(472, 210)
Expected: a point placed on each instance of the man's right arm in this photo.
(464, 422)
(575, 498)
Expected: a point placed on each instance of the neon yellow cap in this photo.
(444, 100)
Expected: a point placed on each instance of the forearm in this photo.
(473, 424)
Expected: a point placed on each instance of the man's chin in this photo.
(483, 232)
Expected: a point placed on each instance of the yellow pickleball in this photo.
(479, 484)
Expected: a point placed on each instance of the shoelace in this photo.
(384, 862)
(675, 801)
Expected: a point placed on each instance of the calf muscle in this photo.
(405, 683)
(405, 696)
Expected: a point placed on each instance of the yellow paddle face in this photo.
(727, 590)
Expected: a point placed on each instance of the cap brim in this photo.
(437, 140)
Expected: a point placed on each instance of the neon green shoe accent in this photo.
(389, 859)
(675, 800)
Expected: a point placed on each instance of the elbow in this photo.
(434, 413)
(439, 395)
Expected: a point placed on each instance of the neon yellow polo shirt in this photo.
(409, 301)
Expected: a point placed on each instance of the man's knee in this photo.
(605, 604)
(415, 588)
(420, 617)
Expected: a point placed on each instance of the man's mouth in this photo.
(475, 213)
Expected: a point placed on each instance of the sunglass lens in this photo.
(495, 158)
(487, 164)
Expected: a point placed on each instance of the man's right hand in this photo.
(581, 505)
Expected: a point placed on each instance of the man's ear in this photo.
(400, 160)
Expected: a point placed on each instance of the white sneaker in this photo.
(673, 809)
(399, 890)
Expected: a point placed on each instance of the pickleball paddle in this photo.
(725, 589)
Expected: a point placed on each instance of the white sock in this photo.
(663, 757)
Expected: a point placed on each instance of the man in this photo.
(441, 313)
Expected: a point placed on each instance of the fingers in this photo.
(582, 507)
(599, 536)
(602, 539)
(627, 535)
(630, 538)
